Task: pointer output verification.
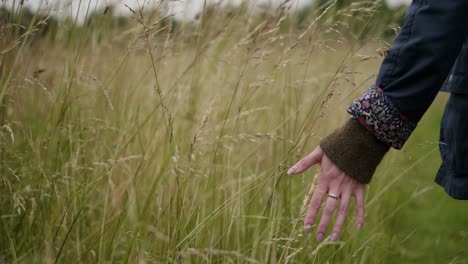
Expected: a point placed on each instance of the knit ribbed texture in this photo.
(354, 150)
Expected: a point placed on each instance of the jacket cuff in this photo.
(381, 118)
(354, 150)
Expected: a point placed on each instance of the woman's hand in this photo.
(331, 182)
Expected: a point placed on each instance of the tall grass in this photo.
(154, 141)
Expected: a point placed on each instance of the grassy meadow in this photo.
(147, 140)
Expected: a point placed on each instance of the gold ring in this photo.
(331, 195)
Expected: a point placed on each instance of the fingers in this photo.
(341, 217)
(327, 214)
(308, 161)
(345, 191)
(314, 207)
(332, 181)
(360, 214)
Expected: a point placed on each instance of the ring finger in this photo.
(341, 217)
(327, 213)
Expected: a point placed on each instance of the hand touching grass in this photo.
(338, 188)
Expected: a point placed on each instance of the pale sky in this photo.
(181, 9)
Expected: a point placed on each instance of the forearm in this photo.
(423, 54)
(410, 77)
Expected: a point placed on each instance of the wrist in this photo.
(354, 150)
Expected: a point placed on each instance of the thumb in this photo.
(308, 161)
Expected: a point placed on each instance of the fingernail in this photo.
(359, 226)
(334, 237)
(292, 169)
(319, 237)
(307, 229)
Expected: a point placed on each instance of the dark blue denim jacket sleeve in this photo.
(414, 69)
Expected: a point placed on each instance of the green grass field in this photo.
(159, 142)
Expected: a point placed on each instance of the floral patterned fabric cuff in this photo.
(381, 118)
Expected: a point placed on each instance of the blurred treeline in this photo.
(340, 18)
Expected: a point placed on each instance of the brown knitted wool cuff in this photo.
(354, 150)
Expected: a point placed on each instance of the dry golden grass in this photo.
(168, 143)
